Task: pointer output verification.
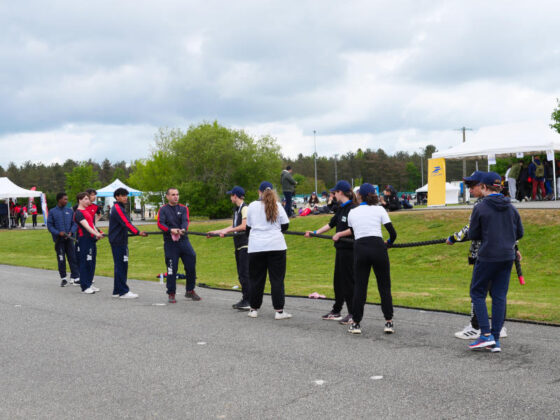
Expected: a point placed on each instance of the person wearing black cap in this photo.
(173, 220)
(370, 251)
(241, 243)
(119, 226)
(343, 278)
(497, 224)
(266, 221)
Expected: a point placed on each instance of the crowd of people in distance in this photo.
(533, 181)
(14, 214)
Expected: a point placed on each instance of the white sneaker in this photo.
(75, 282)
(252, 313)
(468, 333)
(282, 315)
(88, 291)
(129, 295)
(503, 332)
(95, 289)
(116, 295)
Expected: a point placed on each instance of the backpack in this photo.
(539, 171)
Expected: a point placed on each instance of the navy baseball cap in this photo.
(475, 178)
(491, 178)
(265, 185)
(343, 186)
(238, 191)
(366, 189)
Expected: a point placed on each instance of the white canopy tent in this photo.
(10, 190)
(113, 186)
(490, 142)
(451, 192)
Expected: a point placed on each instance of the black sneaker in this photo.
(63, 283)
(192, 295)
(332, 316)
(242, 305)
(347, 320)
(389, 328)
(355, 329)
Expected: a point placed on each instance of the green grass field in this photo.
(431, 277)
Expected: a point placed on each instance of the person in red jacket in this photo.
(34, 214)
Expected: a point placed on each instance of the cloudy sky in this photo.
(97, 79)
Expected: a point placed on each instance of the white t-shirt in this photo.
(367, 221)
(265, 236)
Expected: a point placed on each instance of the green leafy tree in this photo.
(414, 176)
(81, 178)
(205, 162)
(556, 116)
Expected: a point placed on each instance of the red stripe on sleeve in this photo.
(160, 225)
(125, 220)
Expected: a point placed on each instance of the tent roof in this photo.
(448, 187)
(524, 137)
(117, 183)
(10, 190)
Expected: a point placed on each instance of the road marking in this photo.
(319, 382)
(158, 304)
(17, 306)
(376, 378)
(201, 343)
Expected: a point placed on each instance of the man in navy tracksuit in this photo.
(119, 226)
(497, 224)
(62, 226)
(173, 220)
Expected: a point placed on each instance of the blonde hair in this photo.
(269, 200)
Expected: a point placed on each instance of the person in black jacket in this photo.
(497, 224)
(343, 278)
(173, 220)
(119, 226)
(389, 199)
(241, 243)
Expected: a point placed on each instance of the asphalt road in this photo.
(66, 355)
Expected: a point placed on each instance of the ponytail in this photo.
(270, 202)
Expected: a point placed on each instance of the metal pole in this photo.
(554, 181)
(422, 167)
(315, 157)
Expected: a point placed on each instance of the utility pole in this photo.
(335, 171)
(315, 157)
(422, 165)
(464, 129)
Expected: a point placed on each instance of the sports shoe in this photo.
(389, 328)
(346, 320)
(252, 313)
(128, 295)
(496, 348)
(482, 342)
(503, 332)
(332, 316)
(115, 295)
(282, 315)
(95, 289)
(171, 298)
(63, 283)
(242, 305)
(354, 328)
(88, 291)
(192, 295)
(75, 282)
(468, 333)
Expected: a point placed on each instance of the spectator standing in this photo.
(34, 214)
(512, 177)
(537, 177)
(288, 188)
(241, 244)
(266, 221)
(524, 184)
(62, 227)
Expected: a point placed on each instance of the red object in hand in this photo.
(521, 280)
(529, 179)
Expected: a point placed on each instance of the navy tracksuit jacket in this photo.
(119, 226)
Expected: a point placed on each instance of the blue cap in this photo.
(476, 176)
(265, 185)
(366, 189)
(238, 191)
(491, 178)
(343, 186)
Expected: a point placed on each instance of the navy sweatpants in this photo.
(343, 279)
(242, 261)
(496, 275)
(65, 249)
(184, 251)
(88, 255)
(120, 260)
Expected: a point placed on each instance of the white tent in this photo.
(10, 190)
(113, 186)
(490, 142)
(451, 192)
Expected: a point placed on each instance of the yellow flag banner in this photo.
(436, 182)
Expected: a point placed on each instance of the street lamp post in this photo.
(315, 157)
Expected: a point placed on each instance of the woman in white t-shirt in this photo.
(370, 251)
(266, 220)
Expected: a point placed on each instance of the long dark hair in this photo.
(350, 196)
(371, 199)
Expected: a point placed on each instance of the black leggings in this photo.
(371, 252)
(343, 279)
(273, 262)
